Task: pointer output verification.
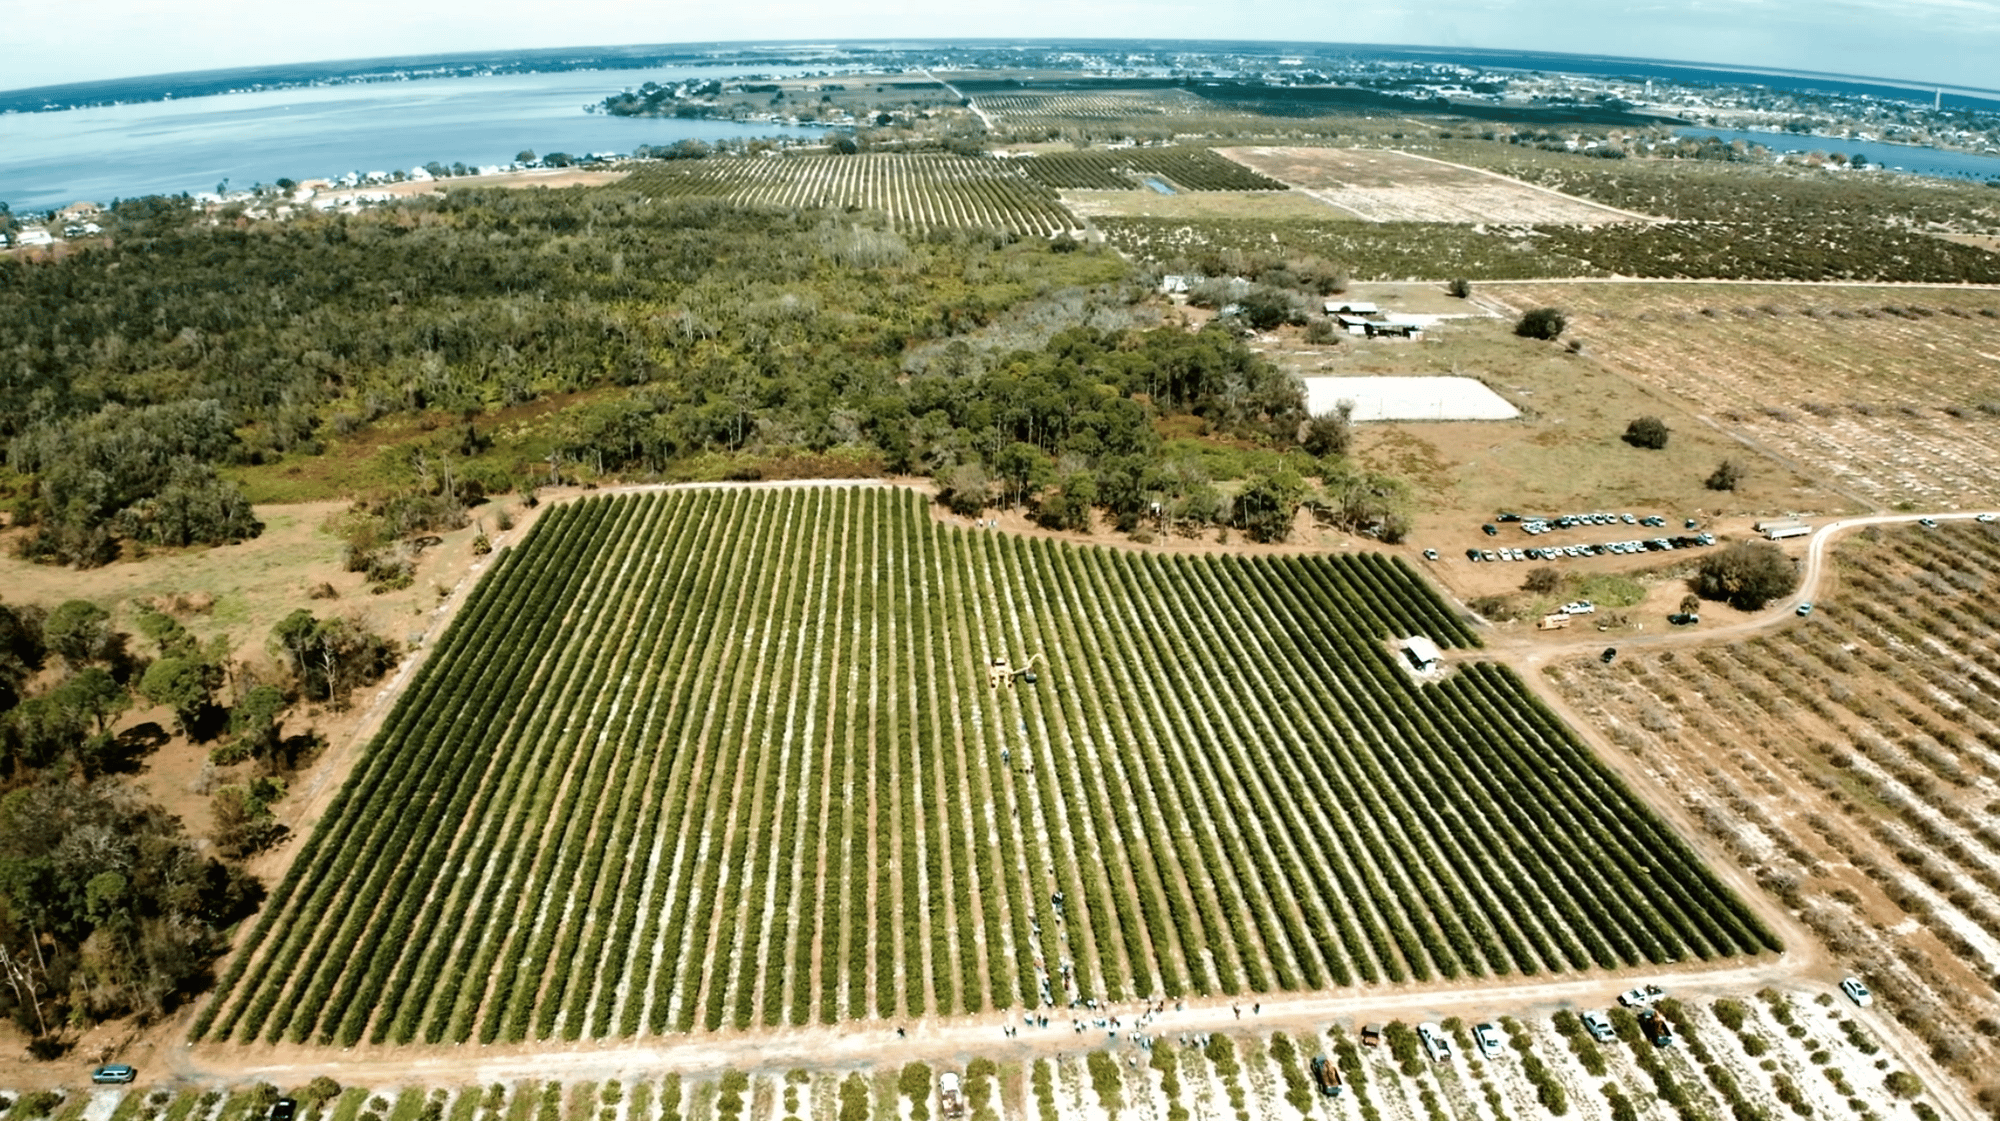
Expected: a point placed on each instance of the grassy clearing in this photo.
(1565, 453)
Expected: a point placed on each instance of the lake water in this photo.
(49, 160)
(1908, 157)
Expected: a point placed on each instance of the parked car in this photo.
(1490, 530)
(1684, 618)
(1487, 1036)
(284, 1109)
(1579, 607)
(1599, 1027)
(1857, 992)
(1987, 519)
(1436, 1043)
(113, 1073)
(1610, 655)
(1430, 554)
(1805, 609)
(1927, 523)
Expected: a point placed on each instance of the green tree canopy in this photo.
(79, 632)
(182, 684)
(1746, 575)
(1541, 323)
(1265, 508)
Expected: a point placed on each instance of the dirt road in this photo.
(1527, 653)
(953, 1041)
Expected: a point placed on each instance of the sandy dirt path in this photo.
(958, 1039)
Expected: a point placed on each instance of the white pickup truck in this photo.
(1641, 998)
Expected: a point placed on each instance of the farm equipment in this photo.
(1656, 1027)
(1002, 672)
(1326, 1075)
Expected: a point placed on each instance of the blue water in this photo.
(1157, 185)
(166, 147)
(1905, 157)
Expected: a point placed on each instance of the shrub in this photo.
(854, 1098)
(1104, 1078)
(39, 1103)
(1330, 434)
(1462, 288)
(1542, 581)
(1746, 575)
(1648, 432)
(1728, 475)
(1903, 1084)
(1541, 323)
(915, 1084)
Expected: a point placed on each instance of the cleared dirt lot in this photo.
(1382, 186)
(1891, 392)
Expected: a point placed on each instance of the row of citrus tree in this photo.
(731, 758)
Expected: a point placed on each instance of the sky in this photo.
(1941, 42)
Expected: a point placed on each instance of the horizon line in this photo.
(443, 56)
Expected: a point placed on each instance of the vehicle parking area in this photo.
(1502, 536)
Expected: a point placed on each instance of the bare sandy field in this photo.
(1384, 186)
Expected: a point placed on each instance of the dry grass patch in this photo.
(1198, 205)
(1889, 391)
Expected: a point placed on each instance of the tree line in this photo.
(144, 371)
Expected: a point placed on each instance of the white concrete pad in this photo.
(1436, 398)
